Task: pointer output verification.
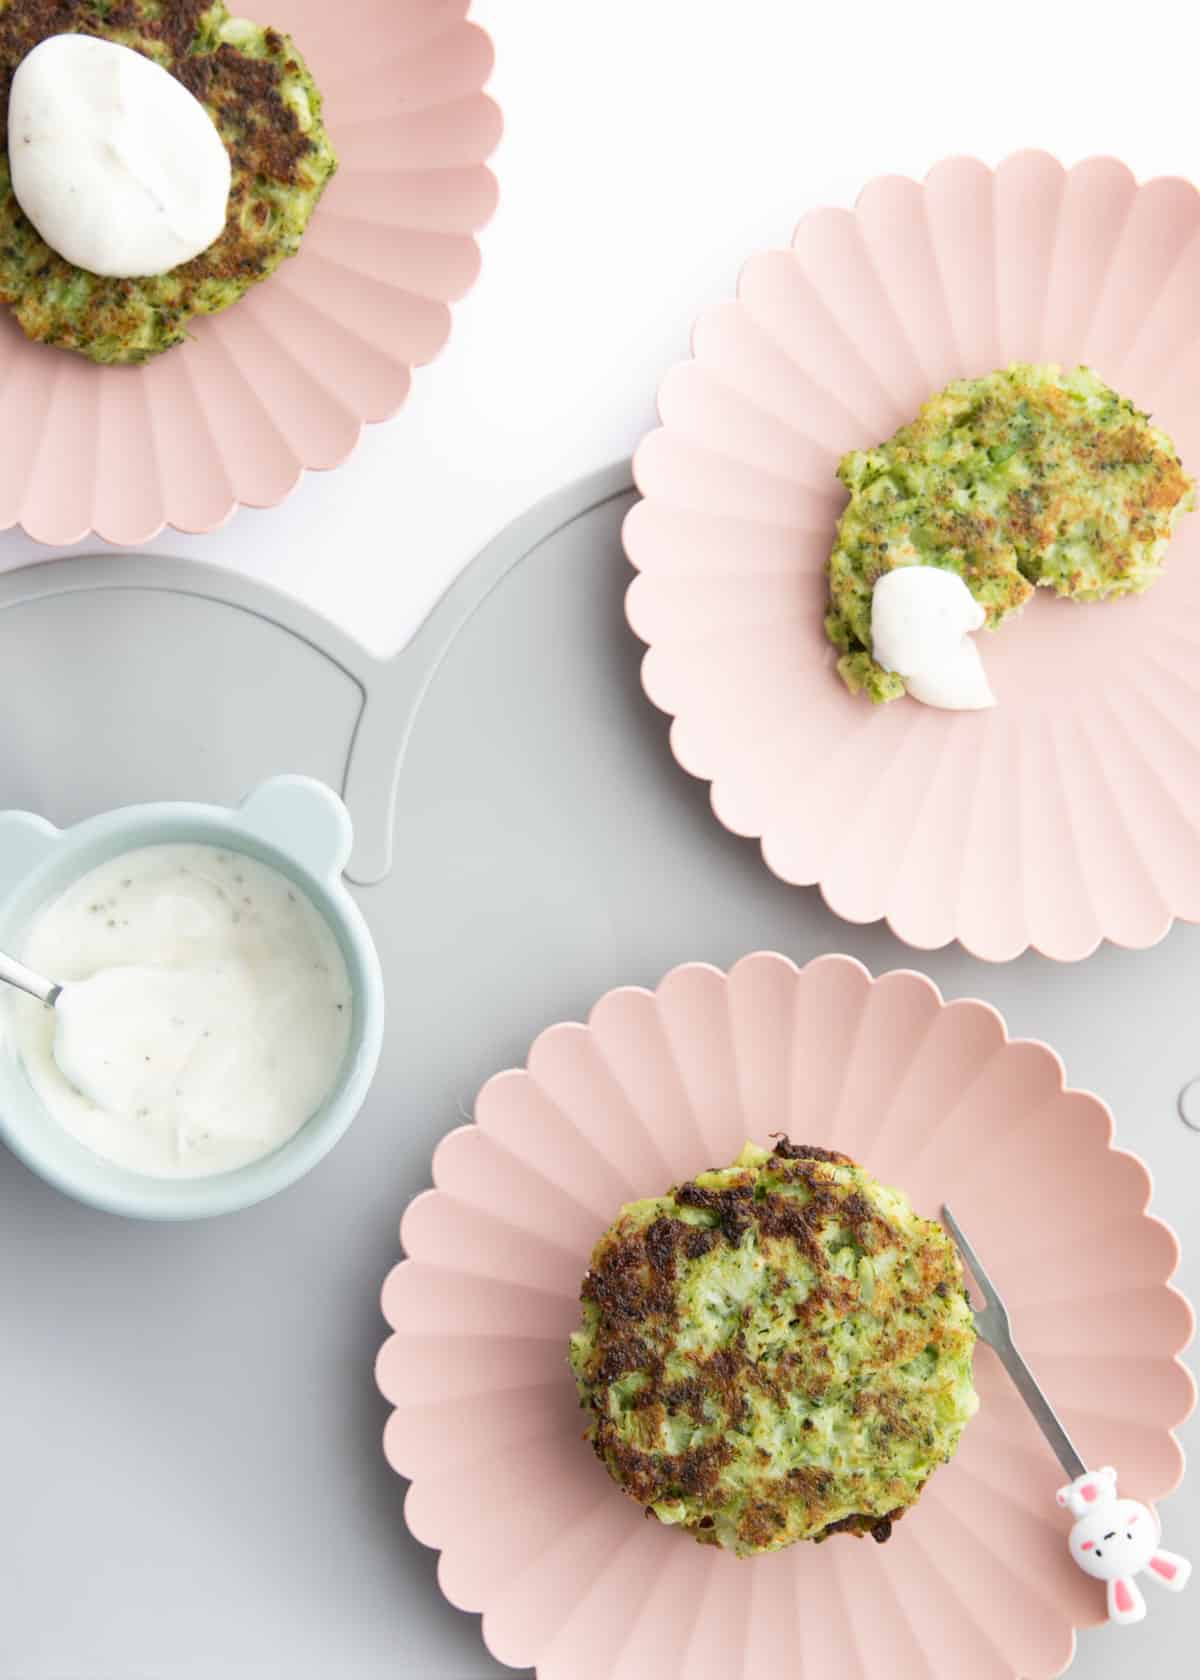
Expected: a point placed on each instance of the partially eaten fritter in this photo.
(780, 1350)
(1028, 477)
(267, 109)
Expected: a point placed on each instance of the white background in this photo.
(650, 146)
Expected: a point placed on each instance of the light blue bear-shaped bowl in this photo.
(297, 826)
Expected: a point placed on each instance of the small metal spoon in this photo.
(14, 973)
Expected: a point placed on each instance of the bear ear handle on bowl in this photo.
(303, 818)
(1113, 1540)
(296, 814)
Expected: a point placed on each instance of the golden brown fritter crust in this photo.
(1033, 476)
(728, 1324)
(267, 110)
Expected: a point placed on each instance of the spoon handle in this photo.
(14, 973)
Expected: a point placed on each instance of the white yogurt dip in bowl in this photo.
(222, 1012)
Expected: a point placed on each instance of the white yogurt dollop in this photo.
(204, 1016)
(119, 168)
(922, 619)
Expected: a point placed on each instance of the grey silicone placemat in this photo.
(192, 1483)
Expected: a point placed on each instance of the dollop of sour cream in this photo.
(119, 168)
(204, 1016)
(922, 620)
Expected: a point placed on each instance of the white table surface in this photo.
(650, 146)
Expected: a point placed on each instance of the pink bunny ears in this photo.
(1086, 1492)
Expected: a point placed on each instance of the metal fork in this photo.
(992, 1323)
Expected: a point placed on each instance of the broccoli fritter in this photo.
(777, 1351)
(1027, 477)
(267, 109)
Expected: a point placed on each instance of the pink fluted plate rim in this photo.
(1070, 814)
(932, 1096)
(285, 380)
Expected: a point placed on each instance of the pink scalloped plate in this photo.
(286, 378)
(569, 1575)
(1071, 813)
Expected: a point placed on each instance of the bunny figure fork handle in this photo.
(1114, 1540)
(1117, 1539)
